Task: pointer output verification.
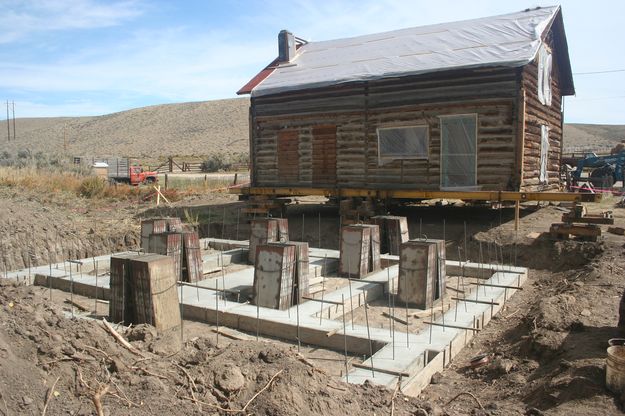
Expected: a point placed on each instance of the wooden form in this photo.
(158, 226)
(300, 275)
(273, 275)
(393, 232)
(143, 290)
(169, 244)
(121, 302)
(267, 230)
(418, 273)
(192, 267)
(355, 251)
(155, 291)
(441, 268)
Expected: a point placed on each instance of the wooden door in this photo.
(324, 155)
(288, 156)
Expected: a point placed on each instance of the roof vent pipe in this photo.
(286, 46)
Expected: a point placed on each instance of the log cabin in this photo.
(474, 105)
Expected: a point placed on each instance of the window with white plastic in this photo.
(459, 152)
(543, 176)
(409, 142)
(544, 76)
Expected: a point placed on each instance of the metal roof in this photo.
(509, 40)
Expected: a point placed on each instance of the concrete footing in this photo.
(412, 356)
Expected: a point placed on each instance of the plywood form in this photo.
(168, 244)
(193, 270)
(355, 251)
(273, 275)
(155, 288)
(121, 304)
(441, 269)
(262, 231)
(157, 226)
(417, 273)
(393, 232)
(375, 262)
(301, 286)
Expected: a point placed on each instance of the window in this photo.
(459, 151)
(543, 176)
(544, 76)
(409, 142)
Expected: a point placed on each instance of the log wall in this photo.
(537, 114)
(354, 111)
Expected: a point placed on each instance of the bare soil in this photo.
(548, 346)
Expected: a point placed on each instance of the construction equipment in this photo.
(601, 171)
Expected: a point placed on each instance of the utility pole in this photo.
(13, 120)
(8, 124)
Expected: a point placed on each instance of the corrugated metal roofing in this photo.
(508, 40)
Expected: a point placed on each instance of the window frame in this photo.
(382, 159)
(440, 120)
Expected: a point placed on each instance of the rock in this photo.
(491, 406)
(517, 378)
(27, 401)
(231, 379)
(500, 366)
(141, 332)
(585, 312)
(437, 378)
(532, 411)
(420, 412)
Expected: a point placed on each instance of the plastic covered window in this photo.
(544, 76)
(543, 176)
(403, 143)
(459, 151)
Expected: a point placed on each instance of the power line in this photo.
(599, 72)
(600, 98)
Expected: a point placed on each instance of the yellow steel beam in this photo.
(508, 196)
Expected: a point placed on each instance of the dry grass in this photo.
(74, 184)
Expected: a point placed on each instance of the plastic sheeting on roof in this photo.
(508, 40)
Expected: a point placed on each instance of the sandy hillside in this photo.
(188, 129)
(197, 128)
(592, 135)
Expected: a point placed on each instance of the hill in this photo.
(191, 129)
(187, 129)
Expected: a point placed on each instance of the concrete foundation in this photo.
(413, 356)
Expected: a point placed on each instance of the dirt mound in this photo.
(42, 229)
(73, 366)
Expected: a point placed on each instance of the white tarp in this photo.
(544, 76)
(408, 142)
(543, 176)
(508, 40)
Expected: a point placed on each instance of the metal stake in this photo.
(364, 295)
(319, 231)
(217, 309)
(345, 337)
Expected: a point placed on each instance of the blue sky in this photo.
(91, 57)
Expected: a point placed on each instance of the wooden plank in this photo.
(192, 258)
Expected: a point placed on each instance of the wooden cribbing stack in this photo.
(143, 290)
(579, 223)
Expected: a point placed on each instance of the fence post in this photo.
(166, 181)
(171, 165)
(236, 174)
